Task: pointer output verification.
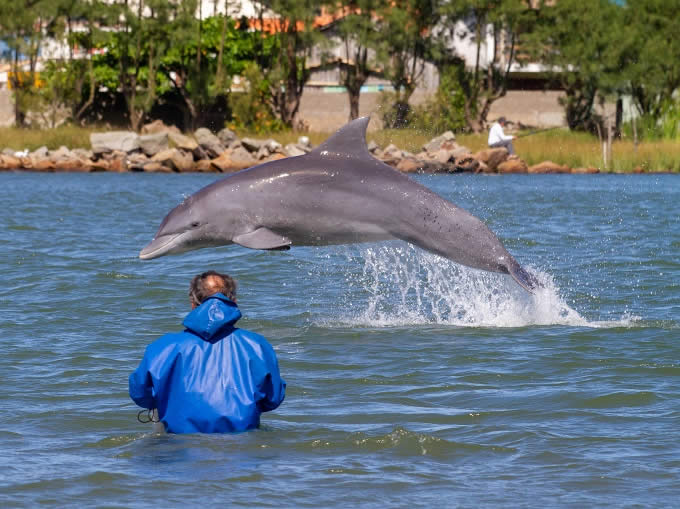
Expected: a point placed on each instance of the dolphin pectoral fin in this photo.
(263, 238)
(525, 279)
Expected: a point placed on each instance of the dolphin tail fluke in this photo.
(525, 279)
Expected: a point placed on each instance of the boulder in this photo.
(182, 142)
(156, 167)
(61, 153)
(210, 143)
(41, 153)
(8, 151)
(101, 165)
(118, 164)
(492, 157)
(9, 162)
(304, 143)
(548, 167)
(83, 154)
(234, 160)
(204, 166)
(226, 136)
(124, 141)
(512, 166)
(75, 164)
(467, 163)
(152, 144)
(436, 143)
(136, 162)
(392, 153)
(157, 126)
(43, 164)
(177, 160)
(251, 144)
(409, 165)
(292, 150)
(585, 171)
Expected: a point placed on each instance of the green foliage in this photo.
(446, 109)
(250, 109)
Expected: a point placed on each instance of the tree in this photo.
(407, 43)
(23, 26)
(652, 64)
(496, 29)
(586, 67)
(287, 72)
(359, 37)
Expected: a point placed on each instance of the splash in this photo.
(397, 285)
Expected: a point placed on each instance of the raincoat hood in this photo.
(214, 318)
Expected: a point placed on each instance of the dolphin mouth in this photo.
(160, 246)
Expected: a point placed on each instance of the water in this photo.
(411, 381)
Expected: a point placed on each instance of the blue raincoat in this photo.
(211, 378)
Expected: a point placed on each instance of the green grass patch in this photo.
(31, 139)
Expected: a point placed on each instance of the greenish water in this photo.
(411, 381)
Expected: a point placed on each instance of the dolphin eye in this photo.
(195, 224)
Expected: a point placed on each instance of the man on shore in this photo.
(213, 377)
(497, 138)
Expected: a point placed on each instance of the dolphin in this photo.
(336, 194)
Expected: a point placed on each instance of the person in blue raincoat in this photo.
(213, 377)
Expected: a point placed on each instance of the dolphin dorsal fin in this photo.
(349, 140)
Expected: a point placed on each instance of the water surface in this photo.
(411, 381)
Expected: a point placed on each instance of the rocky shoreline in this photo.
(161, 148)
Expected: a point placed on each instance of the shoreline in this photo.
(164, 149)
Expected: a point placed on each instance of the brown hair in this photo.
(209, 283)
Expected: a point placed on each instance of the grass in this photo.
(576, 150)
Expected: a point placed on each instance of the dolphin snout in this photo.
(160, 246)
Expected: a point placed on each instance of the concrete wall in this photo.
(326, 111)
(6, 108)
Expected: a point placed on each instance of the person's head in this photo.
(209, 283)
(501, 121)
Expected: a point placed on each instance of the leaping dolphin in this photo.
(336, 194)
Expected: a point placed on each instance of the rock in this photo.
(436, 143)
(460, 151)
(118, 165)
(124, 141)
(204, 166)
(467, 163)
(157, 126)
(182, 142)
(392, 153)
(177, 160)
(136, 162)
(275, 157)
(74, 164)
(101, 165)
(156, 167)
(492, 157)
(262, 153)
(84, 154)
(152, 144)
(512, 166)
(9, 162)
(251, 144)
(210, 143)
(304, 143)
(409, 165)
(43, 164)
(8, 152)
(442, 156)
(233, 160)
(585, 171)
(41, 152)
(292, 150)
(548, 167)
(61, 153)
(372, 146)
(226, 136)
